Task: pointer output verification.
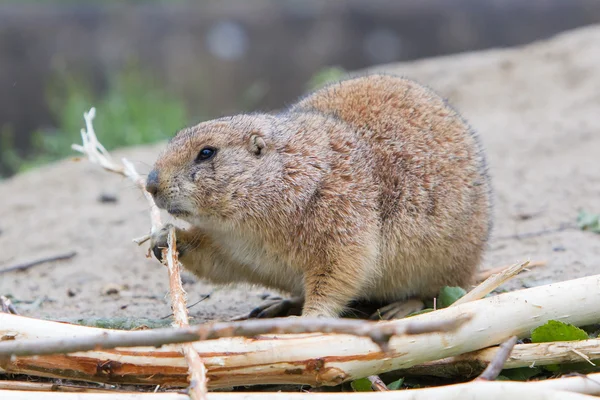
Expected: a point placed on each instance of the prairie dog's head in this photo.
(210, 171)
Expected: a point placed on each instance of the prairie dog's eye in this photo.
(206, 154)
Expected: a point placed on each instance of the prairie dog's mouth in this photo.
(177, 212)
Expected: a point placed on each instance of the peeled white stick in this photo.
(97, 154)
(522, 355)
(196, 370)
(491, 283)
(312, 359)
(576, 388)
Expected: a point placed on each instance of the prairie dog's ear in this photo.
(257, 144)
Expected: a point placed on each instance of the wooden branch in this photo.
(495, 366)
(377, 384)
(379, 333)
(523, 355)
(6, 306)
(141, 240)
(96, 153)
(178, 297)
(491, 283)
(196, 368)
(486, 273)
(573, 388)
(50, 387)
(314, 359)
(498, 391)
(21, 395)
(155, 220)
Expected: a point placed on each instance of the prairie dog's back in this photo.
(434, 191)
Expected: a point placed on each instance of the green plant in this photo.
(361, 385)
(325, 76)
(551, 331)
(133, 110)
(557, 331)
(588, 221)
(448, 295)
(10, 159)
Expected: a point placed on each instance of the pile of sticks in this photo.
(314, 352)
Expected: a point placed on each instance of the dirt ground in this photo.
(536, 109)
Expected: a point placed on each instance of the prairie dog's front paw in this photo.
(158, 241)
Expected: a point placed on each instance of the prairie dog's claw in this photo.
(158, 241)
(398, 310)
(276, 308)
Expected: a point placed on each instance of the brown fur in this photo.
(372, 188)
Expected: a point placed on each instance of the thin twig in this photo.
(27, 265)
(571, 388)
(97, 154)
(7, 306)
(198, 388)
(585, 357)
(191, 305)
(52, 387)
(155, 220)
(523, 355)
(377, 384)
(196, 368)
(494, 368)
(486, 273)
(379, 333)
(542, 232)
(491, 283)
(141, 240)
(178, 296)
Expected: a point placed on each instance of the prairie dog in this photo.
(372, 188)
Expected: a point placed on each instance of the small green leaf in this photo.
(449, 295)
(521, 374)
(556, 331)
(588, 221)
(552, 367)
(361, 385)
(396, 384)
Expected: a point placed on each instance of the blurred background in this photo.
(152, 67)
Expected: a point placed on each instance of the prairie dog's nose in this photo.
(152, 182)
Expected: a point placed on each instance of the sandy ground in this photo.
(537, 111)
